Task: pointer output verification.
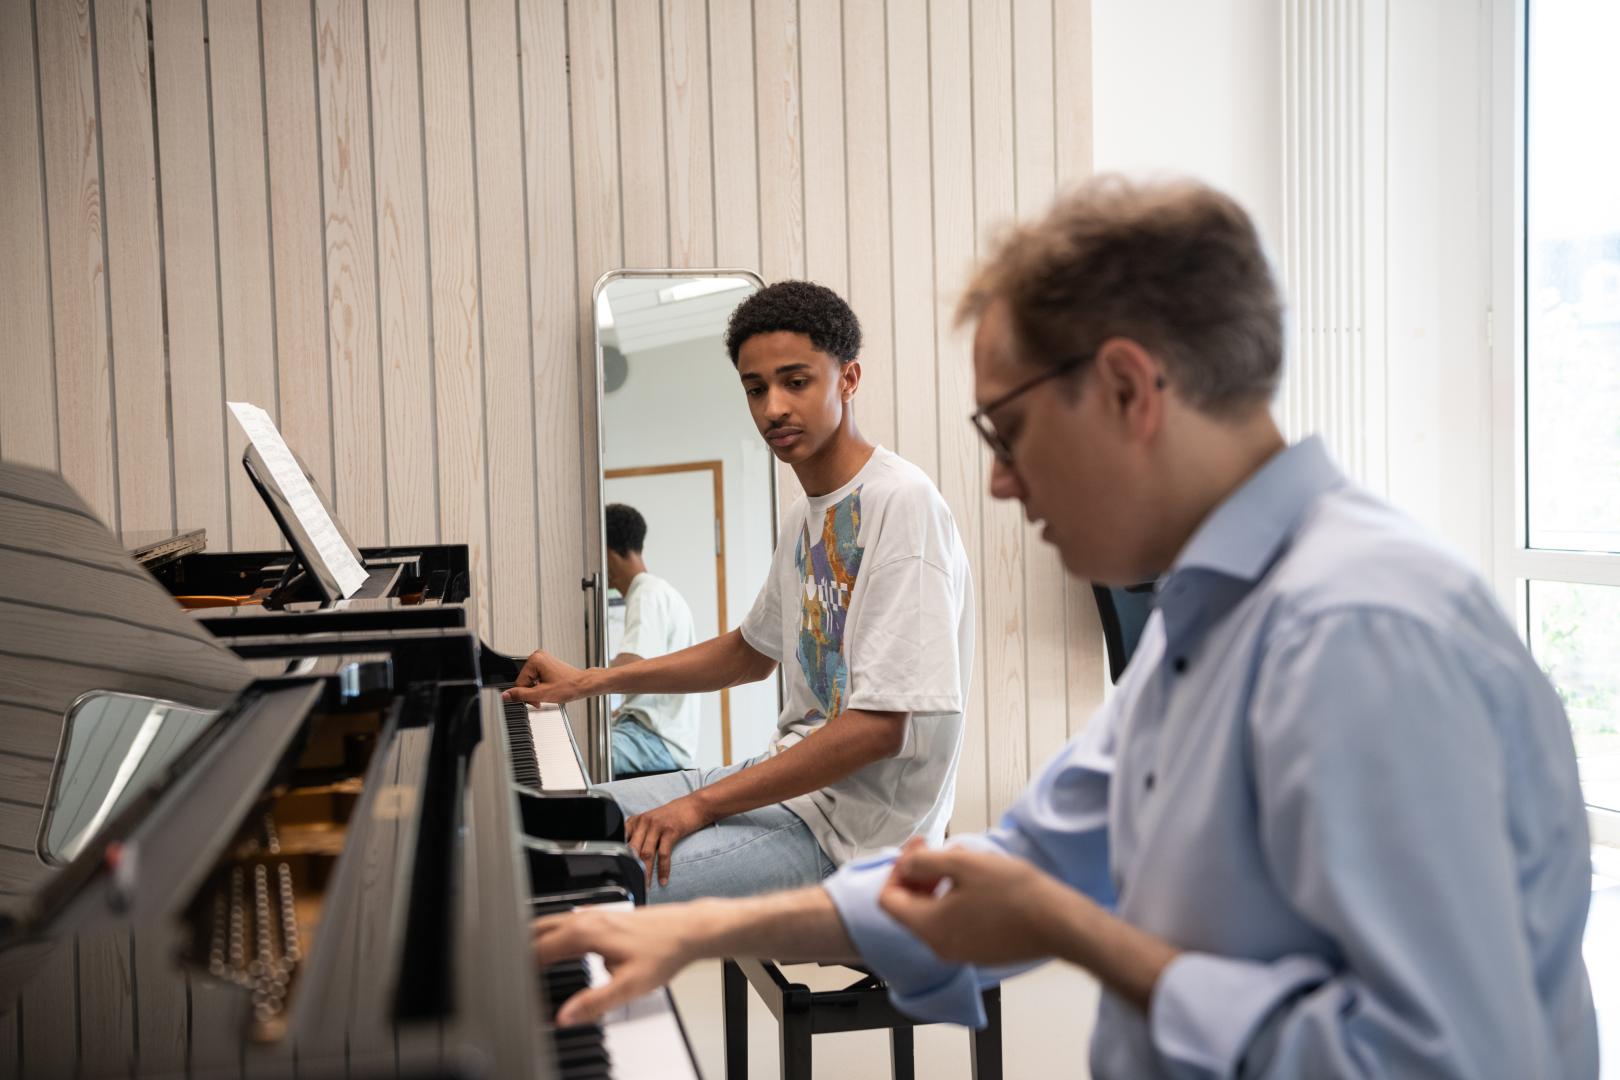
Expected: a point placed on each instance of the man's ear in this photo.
(849, 379)
(1131, 384)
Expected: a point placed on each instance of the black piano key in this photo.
(581, 1049)
(525, 763)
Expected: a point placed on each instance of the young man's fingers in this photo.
(665, 844)
(527, 695)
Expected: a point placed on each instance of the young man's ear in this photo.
(849, 379)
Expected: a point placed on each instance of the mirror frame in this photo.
(598, 752)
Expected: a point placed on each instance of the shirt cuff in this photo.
(921, 985)
(1206, 1009)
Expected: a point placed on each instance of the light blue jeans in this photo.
(759, 851)
(638, 748)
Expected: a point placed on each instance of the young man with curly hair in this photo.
(869, 608)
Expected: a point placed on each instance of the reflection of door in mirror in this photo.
(677, 502)
(679, 445)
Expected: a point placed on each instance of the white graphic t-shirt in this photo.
(657, 622)
(869, 605)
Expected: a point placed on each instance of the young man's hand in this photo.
(643, 949)
(973, 907)
(654, 834)
(545, 679)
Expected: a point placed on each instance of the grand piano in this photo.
(278, 853)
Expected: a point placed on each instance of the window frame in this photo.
(1514, 563)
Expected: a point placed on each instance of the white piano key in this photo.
(643, 1038)
(560, 767)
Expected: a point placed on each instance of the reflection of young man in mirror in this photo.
(651, 732)
(869, 607)
(1328, 825)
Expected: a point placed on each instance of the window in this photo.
(1564, 559)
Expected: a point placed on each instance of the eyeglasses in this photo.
(986, 427)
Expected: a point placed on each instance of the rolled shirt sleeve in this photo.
(1381, 787)
(1060, 824)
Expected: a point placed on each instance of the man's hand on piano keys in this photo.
(642, 950)
(547, 680)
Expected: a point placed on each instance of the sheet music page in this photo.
(305, 504)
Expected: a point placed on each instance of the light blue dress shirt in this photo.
(1334, 777)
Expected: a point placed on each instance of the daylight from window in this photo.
(1572, 362)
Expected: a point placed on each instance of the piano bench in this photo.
(862, 1006)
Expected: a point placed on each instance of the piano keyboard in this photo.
(640, 1040)
(544, 755)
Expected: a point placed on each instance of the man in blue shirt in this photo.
(1330, 823)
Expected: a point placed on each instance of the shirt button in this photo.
(1148, 782)
(1180, 665)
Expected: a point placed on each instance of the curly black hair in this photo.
(801, 307)
(626, 529)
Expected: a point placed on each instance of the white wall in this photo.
(1189, 87)
(683, 403)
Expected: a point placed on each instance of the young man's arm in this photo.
(646, 947)
(849, 741)
(716, 664)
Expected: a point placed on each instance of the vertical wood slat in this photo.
(508, 375)
(781, 163)
(736, 140)
(598, 232)
(555, 328)
(1034, 111)
(1085, 672)
(134, 267)
(351, 270)
(912, 242)
(781, 140)
(402, 283)
(638, 67)
(866, 120)
(74, 215)
(689, 141)
(190, 269)
(246, 319)
(1001, 567)
(826, 240)
(458, 356)
(28, 407)
(951, 137)
(297, 236)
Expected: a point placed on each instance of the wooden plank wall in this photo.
(382, 222)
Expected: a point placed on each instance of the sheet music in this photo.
(301, 497)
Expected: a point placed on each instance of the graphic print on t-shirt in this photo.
(827, 571)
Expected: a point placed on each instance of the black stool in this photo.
(862, 1006)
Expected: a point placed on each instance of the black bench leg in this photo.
(902, 1049)
(987, 1042)
(795, 1045)
(734, 1005)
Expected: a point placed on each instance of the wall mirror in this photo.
(679, 446)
